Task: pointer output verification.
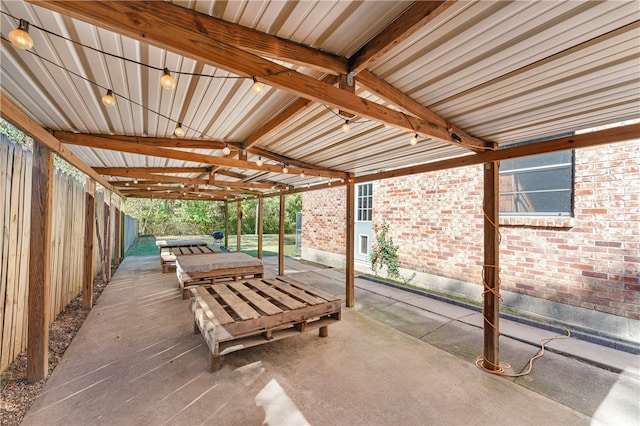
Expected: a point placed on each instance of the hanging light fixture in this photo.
(179, 131)
(345, 126)
(108, 100)
(285, 169)
(226, 150)
(414, 139)
(259, 161)
(167, 81)
(257, 87)
(20, 37)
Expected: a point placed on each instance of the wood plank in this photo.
(39, 268)
(176, 154)
(306, 287)
(5, 153)
(585, 140)
(295, 292)
(253, 297)
(218, 311)
(174, 28)
(274, 293)
(239, 306)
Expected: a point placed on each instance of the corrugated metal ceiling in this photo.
(503, 72)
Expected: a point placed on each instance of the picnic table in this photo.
(208, 268)
(234, 315)
(167, 250)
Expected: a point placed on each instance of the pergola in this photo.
(351, 91)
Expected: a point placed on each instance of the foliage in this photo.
(385, 253)
(16, 135)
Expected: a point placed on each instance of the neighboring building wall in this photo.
(324, 230)
(576, 269)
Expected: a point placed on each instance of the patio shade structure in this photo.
(470, 81)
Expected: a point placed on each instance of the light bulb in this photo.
(285, 170)
(20, 36)
(148, 188)
(179, 131)
(345, 127)
(126, 184)
(414, 139)
(259, 161)
(226, 150)
(108, 100)
(167, 81)
(302, 174)
(329, 183)
(257, 86)
(135, 181)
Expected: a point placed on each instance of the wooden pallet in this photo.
(241, 314)
(168, 253)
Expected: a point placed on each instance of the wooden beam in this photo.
(350, 242)
(114, 145)
(89, 231)
(281, 236)
(288, 160)
(415, 17)
(10, 112)
(491, 308)
(260, 220)
(153, 178)
(407, 104)
(585, 140)
(39, 264)
(171, 142)
(131, 171)
(293, 110)
(183, 31)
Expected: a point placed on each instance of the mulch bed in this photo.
(16, 395)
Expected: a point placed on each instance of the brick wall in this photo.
(591, 260)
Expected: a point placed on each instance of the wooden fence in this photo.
(67, 244)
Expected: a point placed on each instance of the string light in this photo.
(226, 150)
(259, 162)
(257, 87)
(167, 81)
(179, 131)
(345, 126)
(285, 169)
(414, 139)
(20, 37)
(108, 100)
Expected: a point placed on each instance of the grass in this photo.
(146, 245)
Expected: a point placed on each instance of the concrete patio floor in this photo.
(395, 358)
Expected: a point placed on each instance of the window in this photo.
(364, 206)
(363, 247)
(537, 185)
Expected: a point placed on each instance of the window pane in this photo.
(364, 244)
(539, 160)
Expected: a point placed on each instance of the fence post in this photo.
(89, 230)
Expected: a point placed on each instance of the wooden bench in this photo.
(235, 315)
(166, 248)
(210, 268)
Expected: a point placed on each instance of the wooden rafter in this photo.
(129, 171)
(115, 145)
(183, 31)
(412, 19)
(155, 177)
(171, 142)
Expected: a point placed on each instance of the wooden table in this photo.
(234, 315)
(209, 268)
(166, 250)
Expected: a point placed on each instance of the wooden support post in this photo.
(281, 237)
(239, 227)
(116, 236)
(39, 264)
(226, 224)
(122, 234)
(260, 220)
(89, 230)
(350, 242)
(107, 235)
(491, 310)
